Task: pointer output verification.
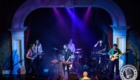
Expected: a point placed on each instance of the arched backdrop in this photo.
(118, 25)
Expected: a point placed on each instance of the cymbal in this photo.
(79, 49)
(55, 48)
(77, 52)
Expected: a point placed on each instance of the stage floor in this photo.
(49, 76)
(45, 76)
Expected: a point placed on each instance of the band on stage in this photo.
(101, 59)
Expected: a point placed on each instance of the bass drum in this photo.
(72, 58)
(60, 57)
(83, 60)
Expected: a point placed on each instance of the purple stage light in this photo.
(59, 17)
(75, 19)
(87, 14)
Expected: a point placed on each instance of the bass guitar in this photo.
(116, 56)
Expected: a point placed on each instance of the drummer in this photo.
(71, 46)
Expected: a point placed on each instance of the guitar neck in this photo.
(36, 55)
(100, 50)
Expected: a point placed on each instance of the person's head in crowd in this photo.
(97, 77)
(85, 74)
(118, 77)
(105, 78)
(58, 77)
(76, 77)
(110, 76)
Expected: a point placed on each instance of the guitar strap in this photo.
(115, 52)
(37, 49)
(32, 52)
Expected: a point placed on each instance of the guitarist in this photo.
(66, 53)
(115, 62)
(31, 65)
(38, 49)
(99, 47)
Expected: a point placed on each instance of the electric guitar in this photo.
(116, 56)
(36, 54)
(100, 51)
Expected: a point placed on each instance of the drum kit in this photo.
(78, 54)
(97, 60)
(100, 61)
(75, 57)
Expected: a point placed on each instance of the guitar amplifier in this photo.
(72, 76)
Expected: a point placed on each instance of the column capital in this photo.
(18, 29)
(120, 27)
(17, 32)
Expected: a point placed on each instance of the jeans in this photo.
(67, 68)
(112, 66)
(31, 67)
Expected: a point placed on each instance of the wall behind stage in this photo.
(133, 45)
(45, 25)
(5, 51)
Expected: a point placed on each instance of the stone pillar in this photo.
(119, 38)
(18, 50)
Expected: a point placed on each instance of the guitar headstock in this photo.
(127, 51)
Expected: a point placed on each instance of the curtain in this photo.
(26, 40)
(27, 32)
(110, 37)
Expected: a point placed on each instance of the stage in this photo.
(49, 37)
(47, 76)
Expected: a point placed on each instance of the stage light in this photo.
(87, 14)
(46, 70)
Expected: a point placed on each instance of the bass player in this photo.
(114, 54)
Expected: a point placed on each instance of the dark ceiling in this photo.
(131, 9)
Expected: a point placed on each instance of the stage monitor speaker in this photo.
(72, 76)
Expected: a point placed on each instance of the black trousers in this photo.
(38, 64)
(31, 67)
(112, 66)
(67, 67)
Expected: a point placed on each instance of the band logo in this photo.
(128, 72)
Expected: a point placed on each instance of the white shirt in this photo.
(38, 48)
(71, 47)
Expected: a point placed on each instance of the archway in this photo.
(119, 22)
